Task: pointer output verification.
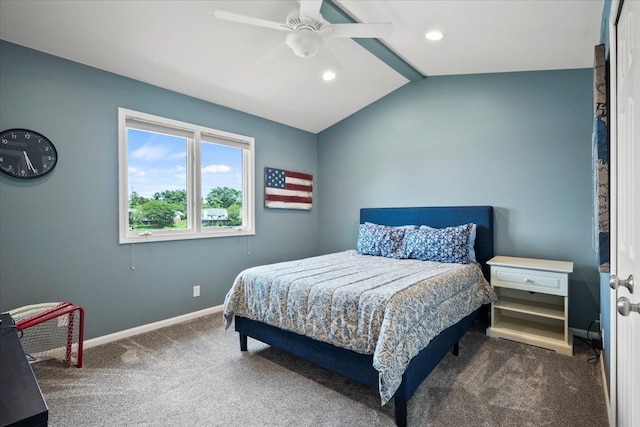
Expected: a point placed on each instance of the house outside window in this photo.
(182, 181)
(214, 217)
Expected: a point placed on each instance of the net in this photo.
(51, 331)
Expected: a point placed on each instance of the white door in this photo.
(625, 211)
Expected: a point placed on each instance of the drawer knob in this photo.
(527, 280)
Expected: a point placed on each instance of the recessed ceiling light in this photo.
(434, 35)
(328, 75)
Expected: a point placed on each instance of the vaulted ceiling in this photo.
(182, 46)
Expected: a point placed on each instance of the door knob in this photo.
(614, 282)
(625, 306)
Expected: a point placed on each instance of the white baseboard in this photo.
(605, 386)
(150, 327)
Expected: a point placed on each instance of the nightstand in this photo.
(533, 301)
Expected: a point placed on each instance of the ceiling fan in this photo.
(307, 28)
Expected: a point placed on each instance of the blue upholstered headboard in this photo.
(439, 217)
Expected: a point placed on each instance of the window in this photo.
(182, 181)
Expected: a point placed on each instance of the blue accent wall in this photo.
(59, 234)
(520, 142)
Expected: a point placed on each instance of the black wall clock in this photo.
(26, 154)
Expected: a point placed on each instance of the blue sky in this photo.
(158, 162)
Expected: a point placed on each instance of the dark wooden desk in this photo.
(21, 401)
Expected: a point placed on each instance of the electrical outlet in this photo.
(196, 291)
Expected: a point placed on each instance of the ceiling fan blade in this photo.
(365, 31)
(310, 8)
(243, 19)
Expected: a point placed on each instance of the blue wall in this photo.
(59, 234)
(518, 141)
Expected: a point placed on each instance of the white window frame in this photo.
(194, 134)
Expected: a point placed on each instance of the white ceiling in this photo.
(181, 46)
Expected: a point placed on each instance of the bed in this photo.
(351, 354)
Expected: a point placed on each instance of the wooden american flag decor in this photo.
(287, 189)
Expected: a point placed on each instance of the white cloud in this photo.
(136, 172)
(150, 153)
(216, 169)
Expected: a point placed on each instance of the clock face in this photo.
(26, 154)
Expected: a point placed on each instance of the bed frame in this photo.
(359, 367)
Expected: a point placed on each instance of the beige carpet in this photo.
(194, 374)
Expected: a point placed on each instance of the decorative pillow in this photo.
(449, 244)
(380, 240)
(472, 241)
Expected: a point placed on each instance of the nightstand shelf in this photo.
(536, 308)
(530, 331)
(532, 303)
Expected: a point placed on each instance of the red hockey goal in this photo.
(51, 330)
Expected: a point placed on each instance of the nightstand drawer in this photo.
(529, 280)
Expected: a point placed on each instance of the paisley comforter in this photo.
(373, 305)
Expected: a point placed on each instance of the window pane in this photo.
(182, 181)
(157, 181)
(221, 178)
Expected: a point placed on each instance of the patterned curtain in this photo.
(601, 157)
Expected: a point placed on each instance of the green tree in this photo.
(175, 197)
(136, 200)
(224, 197)
(234, 215)
(136, 219)
(159, 213)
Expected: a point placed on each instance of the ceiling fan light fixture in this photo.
(304, 43)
